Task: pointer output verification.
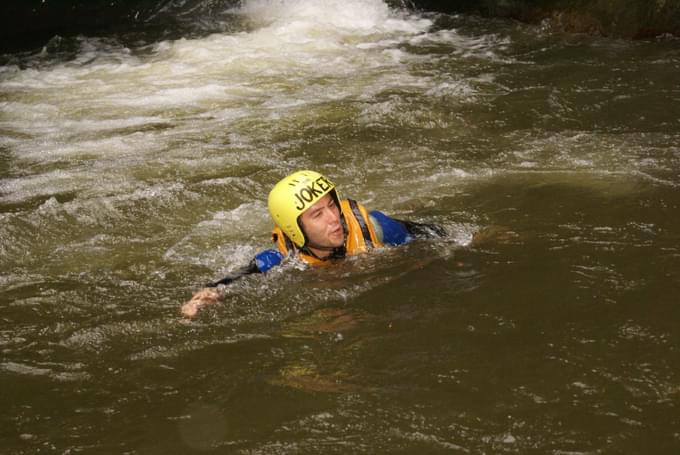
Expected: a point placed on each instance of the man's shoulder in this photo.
(268, 259)
(392, 232)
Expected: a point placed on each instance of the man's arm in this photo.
(236, 274)
(424, 230)
(397, 232)
(210, 294)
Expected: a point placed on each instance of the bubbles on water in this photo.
(452, 90)
(487, 47)
(58, 372)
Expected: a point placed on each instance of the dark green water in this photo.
(132, 172)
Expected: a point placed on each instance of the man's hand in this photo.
(207, 296)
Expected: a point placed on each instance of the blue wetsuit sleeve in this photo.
(394, 232)
(261, 263)
(267, 259)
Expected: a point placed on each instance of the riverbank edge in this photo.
(629, 19)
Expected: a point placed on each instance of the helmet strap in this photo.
(336, 252)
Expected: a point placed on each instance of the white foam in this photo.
(300, 53)
(355, 16)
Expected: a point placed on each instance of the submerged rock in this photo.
(26, 24)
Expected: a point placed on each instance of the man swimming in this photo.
(315, 226)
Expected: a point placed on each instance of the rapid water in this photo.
(134, 170)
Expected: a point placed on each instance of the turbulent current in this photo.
(133, 170)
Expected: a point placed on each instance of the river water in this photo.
(132, 170)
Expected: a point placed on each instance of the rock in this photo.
(617, 18)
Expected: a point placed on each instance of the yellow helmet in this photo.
(292, 196)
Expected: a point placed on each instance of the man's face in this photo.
(321, 223)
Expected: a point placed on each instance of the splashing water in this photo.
(133, 170)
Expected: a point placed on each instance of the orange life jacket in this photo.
(359, 234)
